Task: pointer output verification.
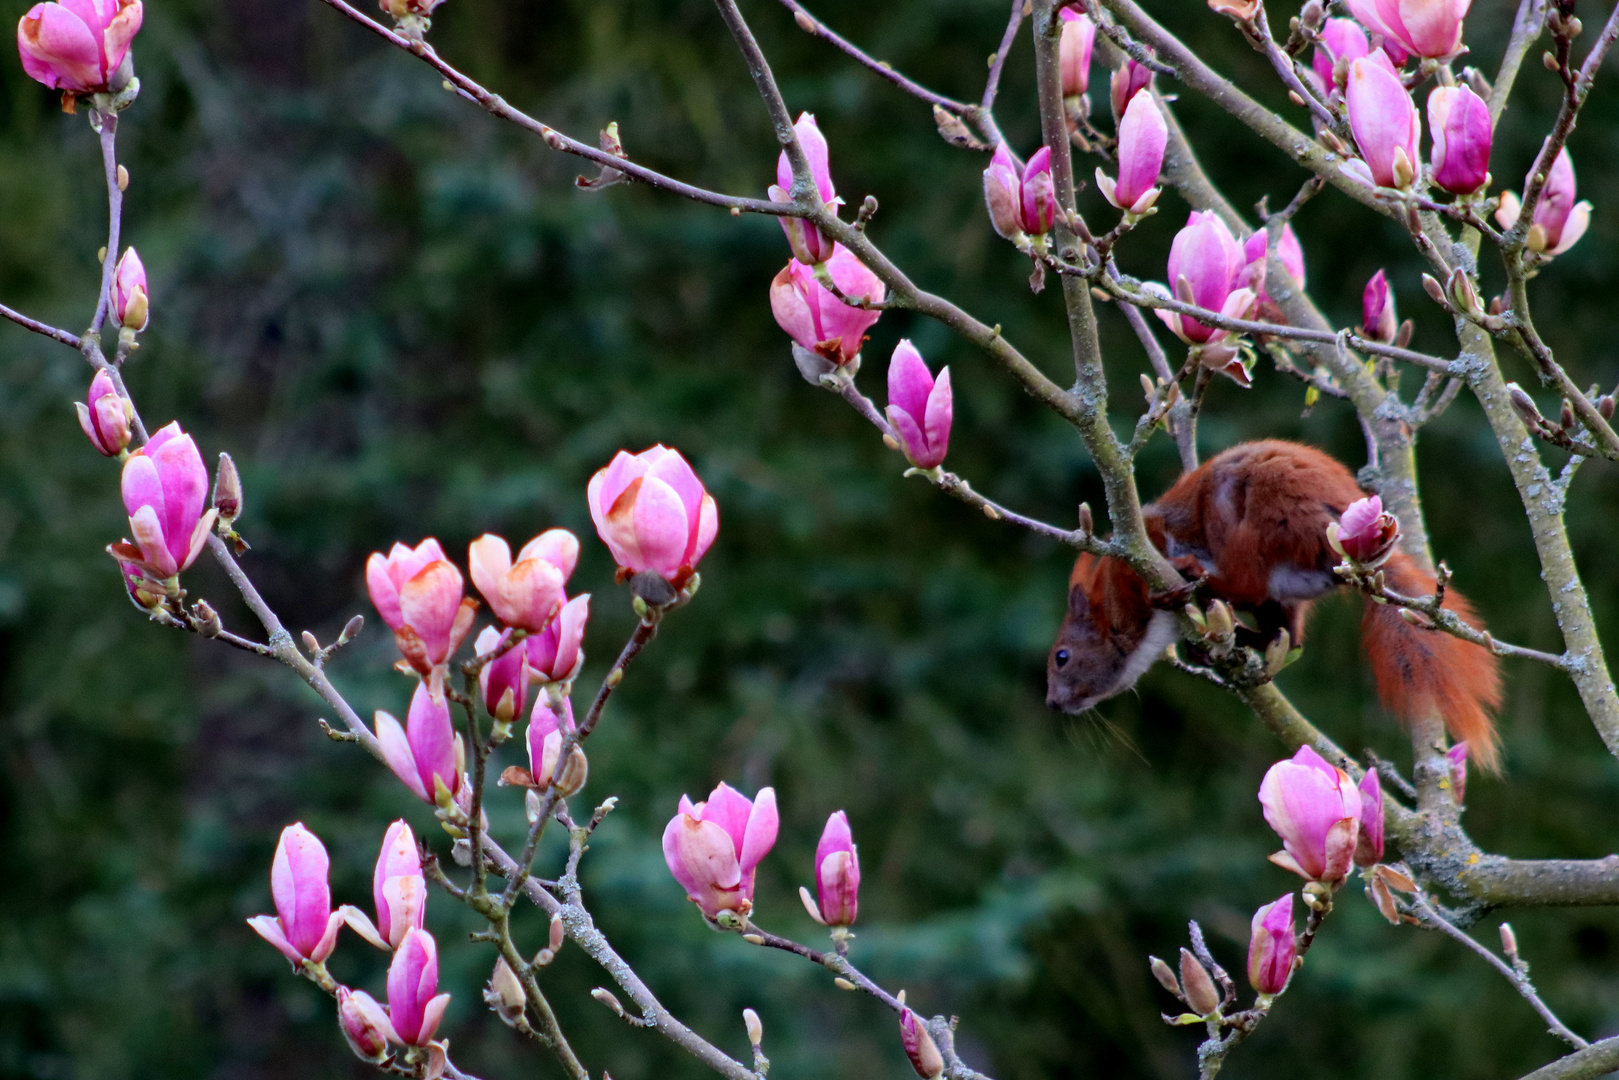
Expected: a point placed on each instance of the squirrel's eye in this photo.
(1062, 657)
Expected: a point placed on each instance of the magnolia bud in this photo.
(505, 993)
(1509, 942)
(1165, 976)
(1524, 405)
(920, 1047)
(1200, 992)
(227, 492)
(756, 1029)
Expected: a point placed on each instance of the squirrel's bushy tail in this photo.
(1423, 672)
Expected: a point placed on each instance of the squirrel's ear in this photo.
(1079, 605)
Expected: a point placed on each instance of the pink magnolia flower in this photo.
(714, 847)
(1460, 122)
(1254, 252)
(1272, 947)
(1205, 266)
(1378, 320)
(78, 46)
(304, 926)
(920, 1047)
(528, 593)
(419, 595)
(1129, 79)
(1340, 44)
(129, 305)
(1315, 809)
(426, 753)
(105, 419)
(1369, 847)
(1021, 200)
(399, 889)
(364, 1023)
(1365, 534)
(837, 875)
(554, 654)
(1074, 51)
(503, 681)
(165, 485)
(1456, 758)
(414, 1006)
(1366, 13)
(809, 244)
(546, 730)
(815, 318)
(919, 407)
(1431, 29)
(653, 513)
(1142, 138)
(1558, 221)
(1385, 123)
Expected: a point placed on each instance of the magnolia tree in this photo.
(502, 669)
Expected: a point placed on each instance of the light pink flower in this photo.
(426, 753)
(304, 926)
(546, 730)
(1315, 809)
(1205, 267)
(419, 595)
(1254, 252)
(78, 45)
(105, 419)
(528, 593)
(809, 244)
(1367, 14)
(165, 485)
(414, 1006)
(1022, 201)
(1340, 44)
(1378, 320)
(365, 1025)
(1459, 121)
(1142, 138)
(397, 887)
(1365, 534)
(713, 848)
(129, 302)
(385, 575)
(815, 318)
(1272, 947)
(653, 514)
(1385, 122)
(554, 654)
(837, 875)
(503, 681)
(1558, 220)
(1431, 29)
(1369, 847)
(1129, 79)
(919, 407)
(1074, 51)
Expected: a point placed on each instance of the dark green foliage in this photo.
(402, 320)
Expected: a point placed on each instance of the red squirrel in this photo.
(1254, 520)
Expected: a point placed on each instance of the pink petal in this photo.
(939, 414)
(396, 752)
(298, 883)
(154, 546)
(660, 527)
(559, 547)
(729, 809)
(268, 927)
(909, 380)
(708, 527)
(430, 602)
(1142, 138)
(58, 49)
(760, 836)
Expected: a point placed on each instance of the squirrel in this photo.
(1251, 523)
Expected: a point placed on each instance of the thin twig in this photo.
(40, 328)
(106, 125)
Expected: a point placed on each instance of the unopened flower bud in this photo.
(1165, 976)
(1456, 758)
(1565, 415)
(105, 415)
(1366, 533)
(351, 630)
(1272, 946)
(1201, 994)
(919, 1046)
(365, 1025)
(129, 304)
(227, 492)
(756, 1029)
(557, 934)
(504, 993)
(1378, 319)
(1509, 942)
(1524, 405)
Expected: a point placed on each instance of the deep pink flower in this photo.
(1431, 29)
(78, 45)
(129, 303)
(1365, 534)
(1369, 847)
(1074, 51)
(1022, 201)
(1254, 252)
(1378, 320)
(1315, 809)
(413, 1009)
(815, 318)
(1272, 947)
(165, 485)
(809, 244)
(528, 593)
(426, 753)
(1142, 138)
(714, 847)
(920, 1047)
(1340, 44)
(1205, 267)
(1459, 121)
(554, 654)
(503, 681)
(1366, 13)
(919, 407)
(1385, 123)
(1558, 221)
(365, 1025)
(419, 595)
(1129, 79)
(105, 419)
(397, 887)
(546, 730)
(304, 926)
(837, 875)
(653, 513)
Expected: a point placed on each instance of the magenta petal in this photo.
(909, 380)
(431, 733)
(65, 52)
(141, 485)
(760, 835)
(909, 431)
(398, 858)
(185, 490)
(298, 883)
(729, 809)
(396, 752)
(938, 416)
(153, 544)
(1382, 117)
(708, 527)
(1142, 138)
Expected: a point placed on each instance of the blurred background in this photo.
(403, 320)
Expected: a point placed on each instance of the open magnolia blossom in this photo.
(1315, 809)
(79, 46)
(1142, 138)
(527, 593)
(419, 594)
(818, 319)
(1365, 534)
(653, 513)
(714, 847)
(165, 485)
(1022, 199)
(1558, 220)
(1206, 268)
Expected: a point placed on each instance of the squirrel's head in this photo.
(1109, 637)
